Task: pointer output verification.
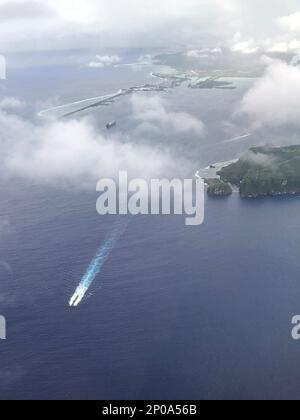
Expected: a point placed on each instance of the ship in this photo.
(111, 125)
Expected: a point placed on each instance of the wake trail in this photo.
(99, 260)
(234, 139)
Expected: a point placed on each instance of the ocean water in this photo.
(176, 313)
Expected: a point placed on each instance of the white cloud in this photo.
(100, 61)
(153, 111)
(260, 158)
(2, 67)
(238, 44)
(274, 99)
(245, 47)
(290, 22)
(204, 52)
(84, 23)
(11, 103)
(281, 47)
(290, 46)
(294, 45)
(45, 24)
(73, 152)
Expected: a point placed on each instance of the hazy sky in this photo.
(44, 24)
(75, 150)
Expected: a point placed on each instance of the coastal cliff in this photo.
(265, 171)
(218, 188)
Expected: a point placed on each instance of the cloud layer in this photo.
(274, 99)
(153, 114)
(45, 24)
(100, 61)
(73, 152)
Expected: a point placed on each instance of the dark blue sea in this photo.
(176, 313)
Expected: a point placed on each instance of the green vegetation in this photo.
(218, 188)
(212, 84)
(264, 171)
(212, 63)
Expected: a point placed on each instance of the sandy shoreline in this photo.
(210, 172)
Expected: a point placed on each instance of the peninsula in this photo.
(262, 171)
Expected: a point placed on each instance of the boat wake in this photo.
(99, 260)
(234, 139)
